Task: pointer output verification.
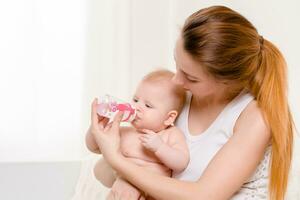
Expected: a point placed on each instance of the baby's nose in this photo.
(138, 108)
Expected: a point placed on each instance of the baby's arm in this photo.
(124, 190)
(174, 154)
(104, 173)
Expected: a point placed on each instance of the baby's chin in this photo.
(137, 125)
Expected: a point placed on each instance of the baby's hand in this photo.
(151, 140)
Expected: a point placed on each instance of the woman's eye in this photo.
(193, 81)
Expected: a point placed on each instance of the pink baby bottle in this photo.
(108, 106)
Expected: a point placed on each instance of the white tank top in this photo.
(204, 146)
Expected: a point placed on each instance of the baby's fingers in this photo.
(149, 132)
(143, 139)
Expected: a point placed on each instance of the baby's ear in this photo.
(171, 118)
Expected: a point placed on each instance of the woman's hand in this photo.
(107, 135)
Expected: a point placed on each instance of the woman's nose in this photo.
(177, 79)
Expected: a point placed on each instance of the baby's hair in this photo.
(159, 75)
(164, 75)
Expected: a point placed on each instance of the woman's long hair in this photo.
(229, 48)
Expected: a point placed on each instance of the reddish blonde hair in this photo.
(229, 47)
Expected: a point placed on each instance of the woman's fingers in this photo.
(114, 124)
(103, 122)
(96, 120)
(117, 120)
(94, 117)
(142, 197)
(107, 127)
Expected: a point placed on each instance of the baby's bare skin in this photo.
(132, 148)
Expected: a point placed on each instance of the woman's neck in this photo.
(219, 99)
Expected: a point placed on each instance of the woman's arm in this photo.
(91, 143)
(225, 174)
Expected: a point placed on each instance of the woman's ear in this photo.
(171, 118)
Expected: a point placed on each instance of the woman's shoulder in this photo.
(252, 119)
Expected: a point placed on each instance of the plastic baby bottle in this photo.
(108, 106)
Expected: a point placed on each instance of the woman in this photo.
(236, 121)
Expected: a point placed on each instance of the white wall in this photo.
(42, 53)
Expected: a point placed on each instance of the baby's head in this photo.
(158, 101)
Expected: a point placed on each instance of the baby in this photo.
(153, 141)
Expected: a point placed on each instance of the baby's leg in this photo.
(121, 189)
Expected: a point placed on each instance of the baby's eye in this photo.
(135, 100)
(148, 105)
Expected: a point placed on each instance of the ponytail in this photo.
(269, 86)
